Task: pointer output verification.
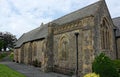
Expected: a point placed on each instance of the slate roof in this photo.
(116, 22)
(38, 33)
(42, 32)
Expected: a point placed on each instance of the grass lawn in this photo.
(7, 72)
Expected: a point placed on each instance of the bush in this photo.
(104, 66)
(117, 64)
(91, 75)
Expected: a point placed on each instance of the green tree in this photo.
(104, 66)
(8, 39)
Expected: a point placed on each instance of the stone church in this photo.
(54, 46)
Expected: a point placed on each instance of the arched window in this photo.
(105, 35)
(63, 52)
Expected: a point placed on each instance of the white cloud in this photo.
(20, 16)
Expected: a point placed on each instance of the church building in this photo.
(90, 30)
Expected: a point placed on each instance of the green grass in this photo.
(7, 72)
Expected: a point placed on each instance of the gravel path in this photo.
(29, 71)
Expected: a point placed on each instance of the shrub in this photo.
(91, 75)
(117, 64)
(104, 66)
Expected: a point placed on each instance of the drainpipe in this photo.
(116, 43)
(76, 34)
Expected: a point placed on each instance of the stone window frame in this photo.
(105, 34)
(63, 55)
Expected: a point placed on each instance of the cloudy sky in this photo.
(20, 16)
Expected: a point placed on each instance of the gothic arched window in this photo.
(105, 35)
(63, 48)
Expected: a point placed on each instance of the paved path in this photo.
(30, 71)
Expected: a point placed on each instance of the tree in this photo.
(8, 40)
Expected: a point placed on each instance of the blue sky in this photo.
(20, 16)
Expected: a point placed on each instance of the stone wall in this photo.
(31, 51)
(65, 46)
(41, 49)
(26, 53)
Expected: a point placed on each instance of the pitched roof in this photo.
(38, 33)
(42, 31)
(116, 22)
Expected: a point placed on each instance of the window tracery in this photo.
(105, 35)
